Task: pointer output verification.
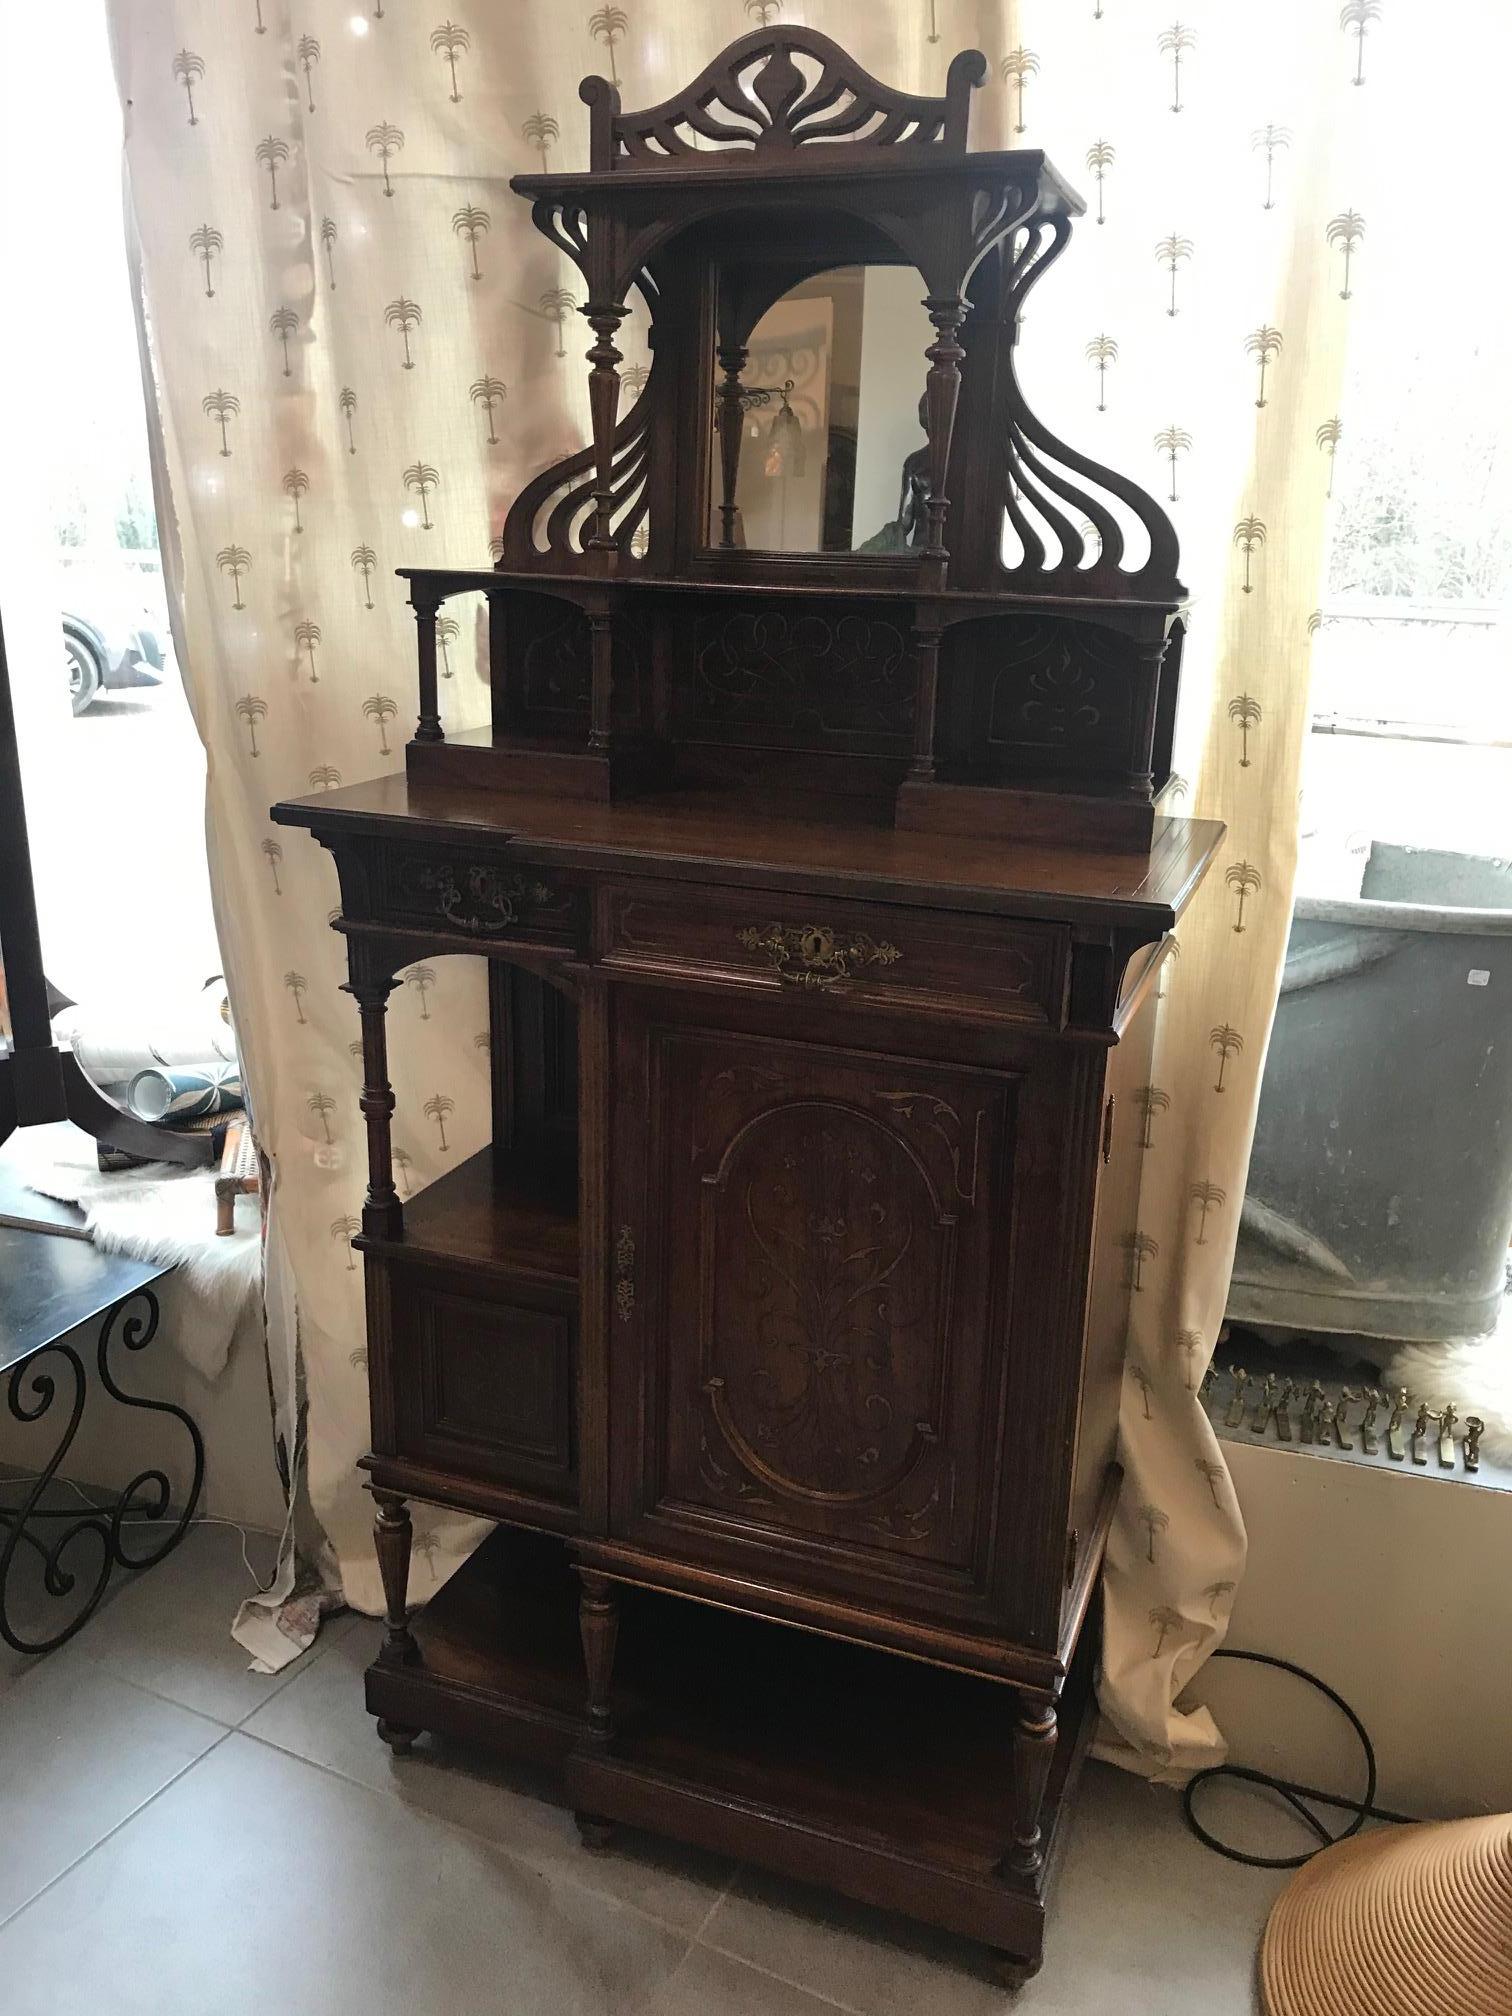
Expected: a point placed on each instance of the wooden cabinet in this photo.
(824, 892)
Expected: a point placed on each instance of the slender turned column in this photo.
(941, 390)
(926, 643)
(391, 1537)
(1033, 1751)
(732, 361)
(604, 318)
(425, 607)
(598, 1624)
(370, 983)
(601, 692)
(1149, 658)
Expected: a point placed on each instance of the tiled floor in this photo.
(184, 1838)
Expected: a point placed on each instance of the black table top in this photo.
(51, 1280)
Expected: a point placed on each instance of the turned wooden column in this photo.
(392, 1534)
(601, 690)
(732, 409)
(604, 318)
(926, 643)
(941, 390)
(598, 1625)
(371, 980)
(1033, 1751)
(1149, 658)
(425, 606)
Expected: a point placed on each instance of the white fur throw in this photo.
(155, 1213)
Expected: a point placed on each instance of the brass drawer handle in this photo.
(815, 955)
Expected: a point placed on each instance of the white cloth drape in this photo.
(334, 271)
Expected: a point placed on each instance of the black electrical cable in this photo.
(1294, 1795)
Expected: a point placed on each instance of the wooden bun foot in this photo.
(595, 1834)
(399, 1737)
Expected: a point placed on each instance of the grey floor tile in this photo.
(169, 1628)
(79, 1752)
(712, 1984)
(1143, 1919)
(320, 1716)
(259, 1881)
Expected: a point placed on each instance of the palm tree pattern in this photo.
(447, 631)
(307, 51)
(336, 729)
(1245, 711)
(1244, 879)
(233, 562)
(1171, 252)
(252, 709)
(1173, 442)
(1016, 68)
(420, 980)
(421, 480)
(609, 25)
(1346, 230)
(1225, 1043)
(1102, 351)
(1249, 537)
(1175, 42)
(378, 707)
(221, 407)
(1328, 437)
(404, 315)
(449, 42)
(284, 323)
(345, 1229)
(385, 141)
(1263, 344)
(1207, 1197)
(322, 1105)
(487, 392)
(1100, 158)
(295, 484)
(364, 560)
(436, 1108)
(205, 243)
(306, 637)
(1270, 141)
(270, 152)
(188, 69)
(470, 224)
(1355, 17)
(539, 130)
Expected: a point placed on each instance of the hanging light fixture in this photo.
(785, 456)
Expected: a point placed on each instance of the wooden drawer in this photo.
(484, 1380)
(488, 902)
(881, 953)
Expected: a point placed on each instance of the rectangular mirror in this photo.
(818, 442)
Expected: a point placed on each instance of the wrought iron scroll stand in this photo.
(31, 1390)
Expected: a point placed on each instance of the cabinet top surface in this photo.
(700, 836)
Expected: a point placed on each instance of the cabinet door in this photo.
(811, 1363)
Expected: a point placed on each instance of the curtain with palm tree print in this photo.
(360, 350)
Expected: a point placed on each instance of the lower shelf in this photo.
(881, 1778)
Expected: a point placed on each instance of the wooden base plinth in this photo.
(483, 759)
(999, 812)
(879, 1777)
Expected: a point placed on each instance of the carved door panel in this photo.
(814, 1349)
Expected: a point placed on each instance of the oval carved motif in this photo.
(826, 1262)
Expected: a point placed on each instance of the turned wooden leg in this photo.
(1033, 1749)
(398, 1735)
(391, 1537)
(598, 1622)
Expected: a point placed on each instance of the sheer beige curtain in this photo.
(359, 349)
